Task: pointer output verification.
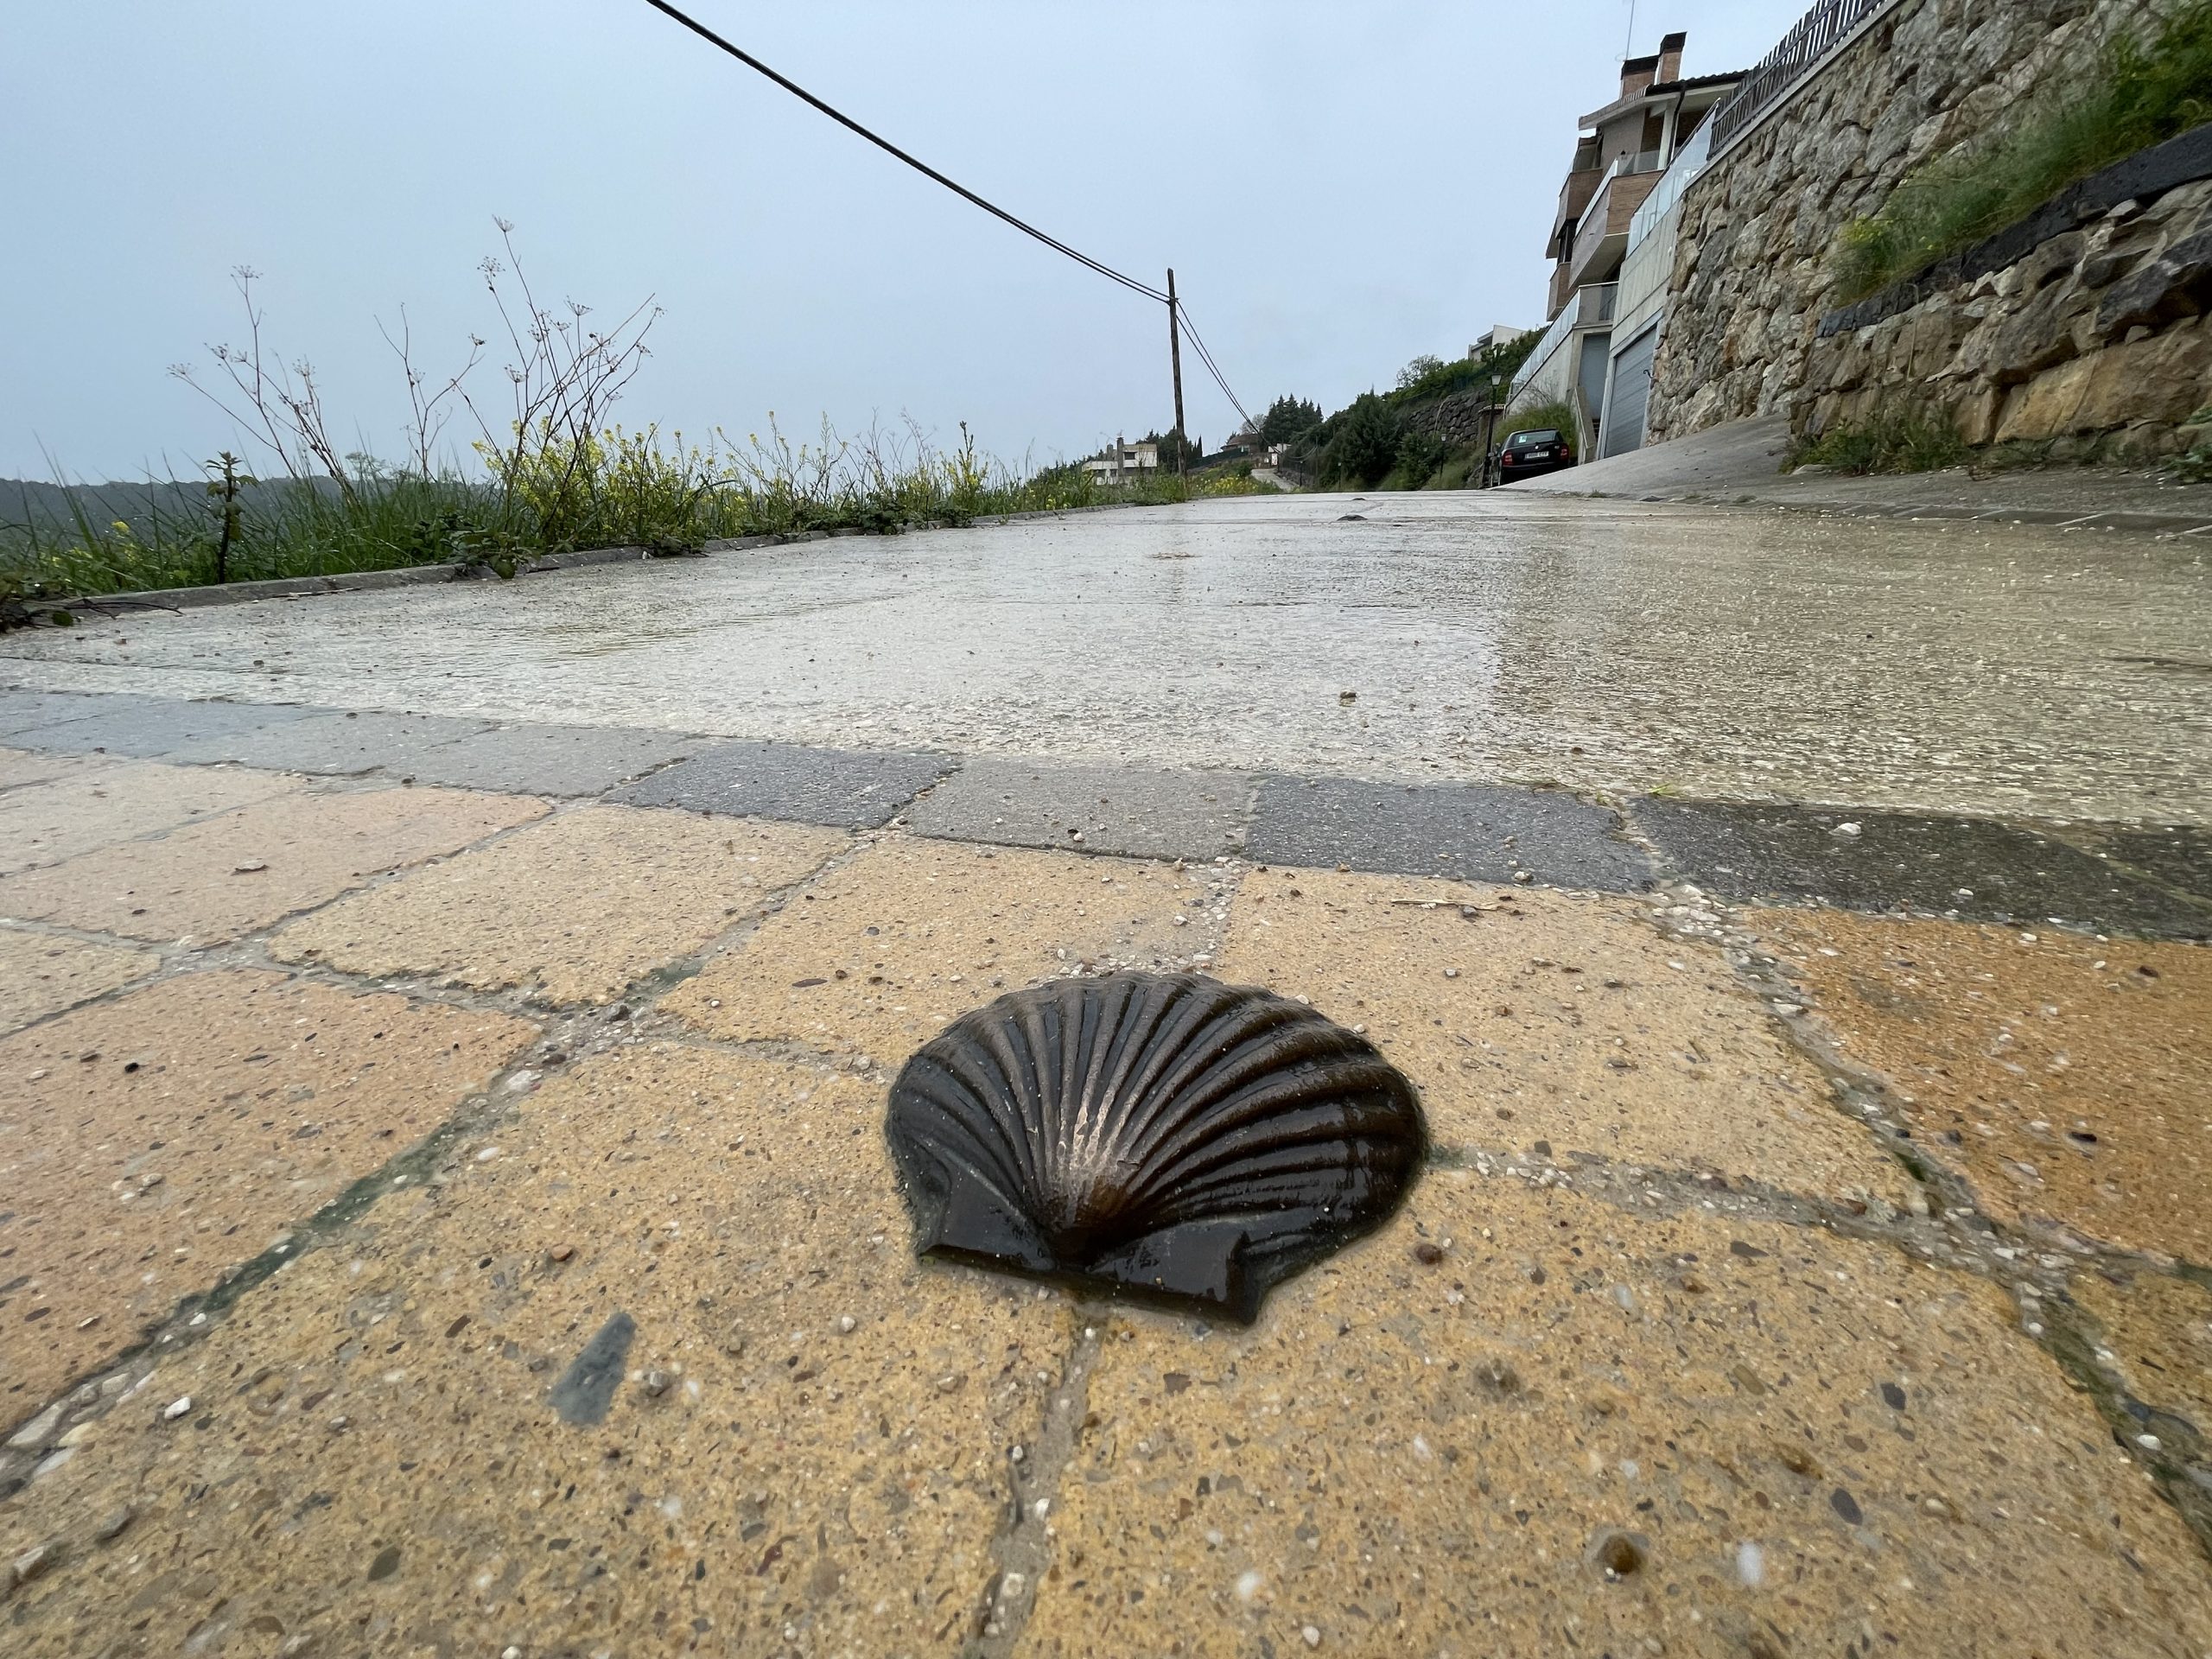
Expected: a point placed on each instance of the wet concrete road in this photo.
(1609, 646)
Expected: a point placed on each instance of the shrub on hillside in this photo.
(2134, 97)
(1363, 449)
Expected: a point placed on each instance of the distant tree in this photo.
(1365, 446)
(1418, 371)
(1287, 418)
(1174, 447)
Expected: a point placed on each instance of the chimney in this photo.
(1637, 75)
(1670, 57)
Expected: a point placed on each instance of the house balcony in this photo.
(1573, 197)
(1601, 239)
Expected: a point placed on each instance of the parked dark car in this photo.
(1527, 454)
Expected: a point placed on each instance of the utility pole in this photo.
(1175, 357)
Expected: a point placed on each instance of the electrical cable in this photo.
(1205, 358)
(921, 167)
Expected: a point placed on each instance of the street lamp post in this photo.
(1489, 428)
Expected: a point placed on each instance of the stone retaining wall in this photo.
(2094, 341)
(1752, 276)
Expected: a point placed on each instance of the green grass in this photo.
(2135, 96)
(625, 489)
(1901, 440)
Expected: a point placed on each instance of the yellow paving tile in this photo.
(20, 766)
(1583, 1432)
(40, 974)
(881, 955)
(805, 1447)
(150, 1143)
(2065, 1077)
(97, 804)
(235, 874)
(2159, 1327)
(574, 908)
(1554, 1023)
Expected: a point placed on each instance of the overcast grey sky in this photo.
(1340, 186)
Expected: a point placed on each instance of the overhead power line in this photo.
(1205, 358)
(1179, 311)
(919, 166)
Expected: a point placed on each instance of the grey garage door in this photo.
(1631, 393)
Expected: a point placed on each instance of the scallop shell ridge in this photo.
(1164, 1135)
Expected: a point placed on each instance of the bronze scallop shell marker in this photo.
(1164, 1136)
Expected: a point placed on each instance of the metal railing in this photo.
(1689, 161)
(1818, 33)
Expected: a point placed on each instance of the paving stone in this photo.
(574, 908)
(26, 710)
(42, 974)
(150, 730)
(2159, 1327)
(1473, 831)
(1551, 1024)
(1135, 813)
(2178, 855)
(232, 876)
(150, 1143)
(2062, 1079)
(102, 803)
(1975, 869)
(778, 780)
(341, 743)
(880, 955)
(552, 759)
(1581, 1432)
(761, 1468)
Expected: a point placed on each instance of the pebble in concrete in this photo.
(551, 760)
(877, 958)
(233, 874)
(1549, 1024)
(152, 1142)
(106, 802)
(1140, 814)
(775, 780)
(2063, 1075)
(150, 729)
(1977, 870)
(585, 1391)
(573, 908)
(42, 974)
(393, 1391)
(1475, 832)
(345, 743)
(1561, 1435)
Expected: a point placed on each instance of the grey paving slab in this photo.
(2178, 855)
(527, 760)
(1138, 814)
(151, 730)
(803, 785)
(25, 710)
(344, 743)
(1977, 870)
(1477, 832)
